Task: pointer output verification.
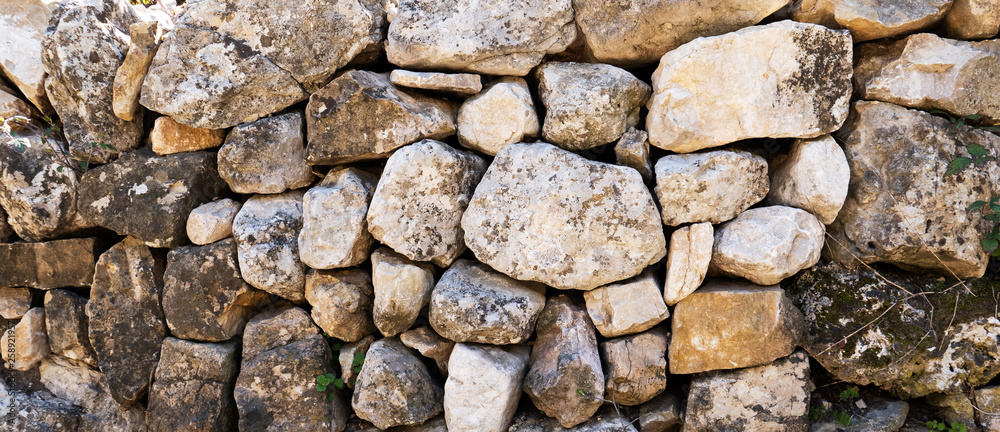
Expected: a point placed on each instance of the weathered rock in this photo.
(929, 72)
(712, 186)
(193, 385)
(83, 46)
(334, 228)
(813, 176)
(635, 366)
(629, 307)
(771, 397)
(953, 409)
(351, 356)
(39, 412)
(394, 387)
(632, 150)
(11, 105)
(688, 261)
(502, 114)
(702, 97)
(495, 38)
(144, 39)
(87, 388)
(30, 344)
(989, 401)
(973, 19)
(52, 264)
(112, 195)
(565, 379)
(563, 229)
(436, 424)
(892, 195)
(402, 288)
(661, 414)
(429, 344)
(483, 387)
(14, 302)
(213, 221)
(22, 27)
(871, 20)
(266, 156)
(768, 244)
(926, 345)
(6, 231)
(418, 204)
(67, 326)
(169, 137)
(276, 327)
(204, 297)
(462, 85)
(606, 420)
(266, 231)
(258, 57)
(473, 303)
(760, 323)
(125, 318)
(341, 302)
(881, 416)
(361, 115)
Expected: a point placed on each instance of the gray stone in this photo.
(193, 385)
(989, 401)
(266, 231)
(394, 387)
(881, 416)
(767, 244)
(341, 302)
(483, 387)
(22, 27)
(28, 344)
(628, 307)
(632, 150)
(51, 264)
(213, 221)
(502, 114)
(350, 354)
(144, 39)
(68, 326)
(660, 414)
(813, 176)
(711, 186)
(334, 228)
(429, 344)
(402, 289)
(266, 156)
(635, 366)
(14, 302)
(871, 20)
(276, 327)
(39, 412)
(462, 85)
(606, 420)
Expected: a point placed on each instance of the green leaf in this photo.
(990, 244)
(59, 169)
(339, 383)
(331, 396)
(993, 216)
(359, 358)
(321, 387)
(995, 207)
(83, 165)
(958, 165)
(357, 369)
(322, 380)
(581, 392)
(977, 150)
(336, 346)
(960, 122)
(848, 394)
(976, 205)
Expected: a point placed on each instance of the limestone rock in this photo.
(813, 177)
(761, 325)
(483, 387)
(632, 150)
(629, 307)
(169, 137)
(712, 186)
(266, 156)
(688, 261)
(954, 409)
(67, 326)
(502, 114)
(11, 105)
(635, 366)
(989, 401)
(402, 288)
(495, 38)
(769, 397)
(972, 19)
(213, 221)
(276, 327)
(38, 412)
(144, 39)
(30, 344)
(14, 302)
(22, 27)
(564, 378)
(871, 20)
(429, 344)
(462, 85)
(334, 228)
(394, 387)
(893, 195)
(348, 358)
(193, 386)
(84, 45)
(360, 115)
(418, 204)
(52, 264)
(266, 231)
(547, 215)
(881, 416)
(606, 420)
(341, 302)
(702, 93)
(660, 414)
(113, 195)
(768, 244)
(473, 303)
(126, 321)
(586, 104)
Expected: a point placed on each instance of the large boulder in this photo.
(483, 387)
(52, 264)
(813, 176)
(267, 156)
(266, 231)
(193, 387)
(334, 225)
(394, 388)
(22, 28)
(712, 186)
(547, 215)
(871, 20)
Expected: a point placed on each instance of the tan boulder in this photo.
(168, 137)
(869, 20)
(688, 260)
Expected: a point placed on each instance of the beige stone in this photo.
(462, 85)
(144, 40)
(395, 388)
(341, 302)
(211, 222)
(402, 288)
(430, 345)
(484, 387)
(973, 19)
(502, 114)
(266, 231)
(869, 20)
(168, 137)
(628, 307)
(632, 150)
(813, 176)
(989, 401)
(334, 229)
(11, 106)
(688, 260)
(22, 26)
(635, 367)
(349, 353)
(768, 244)
(711, 186)
(14, 302)
(67, 326)
(31, 344)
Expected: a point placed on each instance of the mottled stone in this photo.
(688, 261)
(87, 388)
(14, 302)
(334, 228)
(629, 307)
(956, 408)
(660, 414)
(871, 20)
(266, 231)
(193, 385)
(30, 344)
(462, 85)
(350, 354)
(39, 412)
(483, 387)
(266, 156)
(502, 114)
(635, 366)
(52, 264)
(768, 244)
(813, 176)
(341, 302)
(144, 39)
(429, 344)
(973, 19)
(606, 420)
(394, 387)
(712, 186)
(169, 137)
(68, 326)
(632, 150)
(989, 401)
(213, 221)
(881, 416)
(402, 288)
(22, 27)
(11, 105)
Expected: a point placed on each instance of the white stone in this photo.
(813, 177)
(768, 244)
(266, 231)
(211, 222)
(341, 302)
(712, 186)
(22, 26)
(502, 114)
(31, 344)
(483, 387)
(456, 84)
(334, 229)
(402, 288)
(688, 261)
(628, 307)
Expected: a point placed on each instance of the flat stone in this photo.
(484, 386)
(635, 366)
(632, 150)
(144, 39)
(212, 221)
(688, 261)
(465, 35)
(502, 114)
(52, 264)
(562, 230)
(712, 186)
(660, 414)
(169, 137)
(702, 97)
(193, 386)
(334, 228)
(768, 244)
(429, 344)
(14, 303)
(360, 115)
(266, 156)
(870, 20)
(973, 19)
(276, 327)
(813, 176)
(761, 325)
(632, 306)
(473, 303)
(30, 344)
(402, 289)
(436, 424)
(348, 358)
(462, 85)
(266, 231)
(341, 302)
(68, 326)
(22, 27)
(394, 387)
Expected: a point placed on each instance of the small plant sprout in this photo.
(850, 393)
(935, 425)
(329, 384)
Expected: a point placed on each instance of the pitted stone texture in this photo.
(144, 39)
(38, 412)
(496, 38)
(587, 105)
(772, 397)
(14, 303)
(688, 261)
(813, 176)
(394, 387)
(547, 215)
(768, 244)
(213, 221)
(483, 388)
(266, 156)
(341, 302)
(462, 85)
(928, 72)
(22, 27)
(973, 19)
(429, 344)
(760, 323)
(402, 288)
(193, 386)
(276, 327)
(29, 345)
(989, 401)
(629, 307)
(632, 150)
(869, 20)
(266, 231)
(418, 204)
(334, 227)
(635, 366)
(502, 114)
(712, 186)
(52, 264)
(898, 158)
(709, 92)
(473, 303)
(87, 388)
(169, 137)
(349, 353)
(67, 326)
(361, 115)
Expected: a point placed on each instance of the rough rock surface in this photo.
(635, 366)
(973, 19)
(349, 354)
(213, 221)
(712, 186)
(495, 38)
(661, 414)
(483, 387)
(429, 344)
(67, 326)
(40, 412)
(418, 204)
(632, 150)
(334, 228)
(266, 156)
(266, 231)
(761, 325)
(193, 385)
(29, 345)
(881, 416)
(52, 264)
(402, 289)
(474, 303)
(502, 114)
(6, 232)
(898, 159)
(394, 387)
(688, 261)
(709, 92)
(361, 115)
(22, 27)
(453, 84)
(606, 420)
(14, 302)
(586, 104)
(628, 307)
(871, 20)
(989, 401)
(768, 244)
(813, 176)
(144, 39)
(341, 302)
(169, 137)
(11, 105)
(88, 389)
(537, 206)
